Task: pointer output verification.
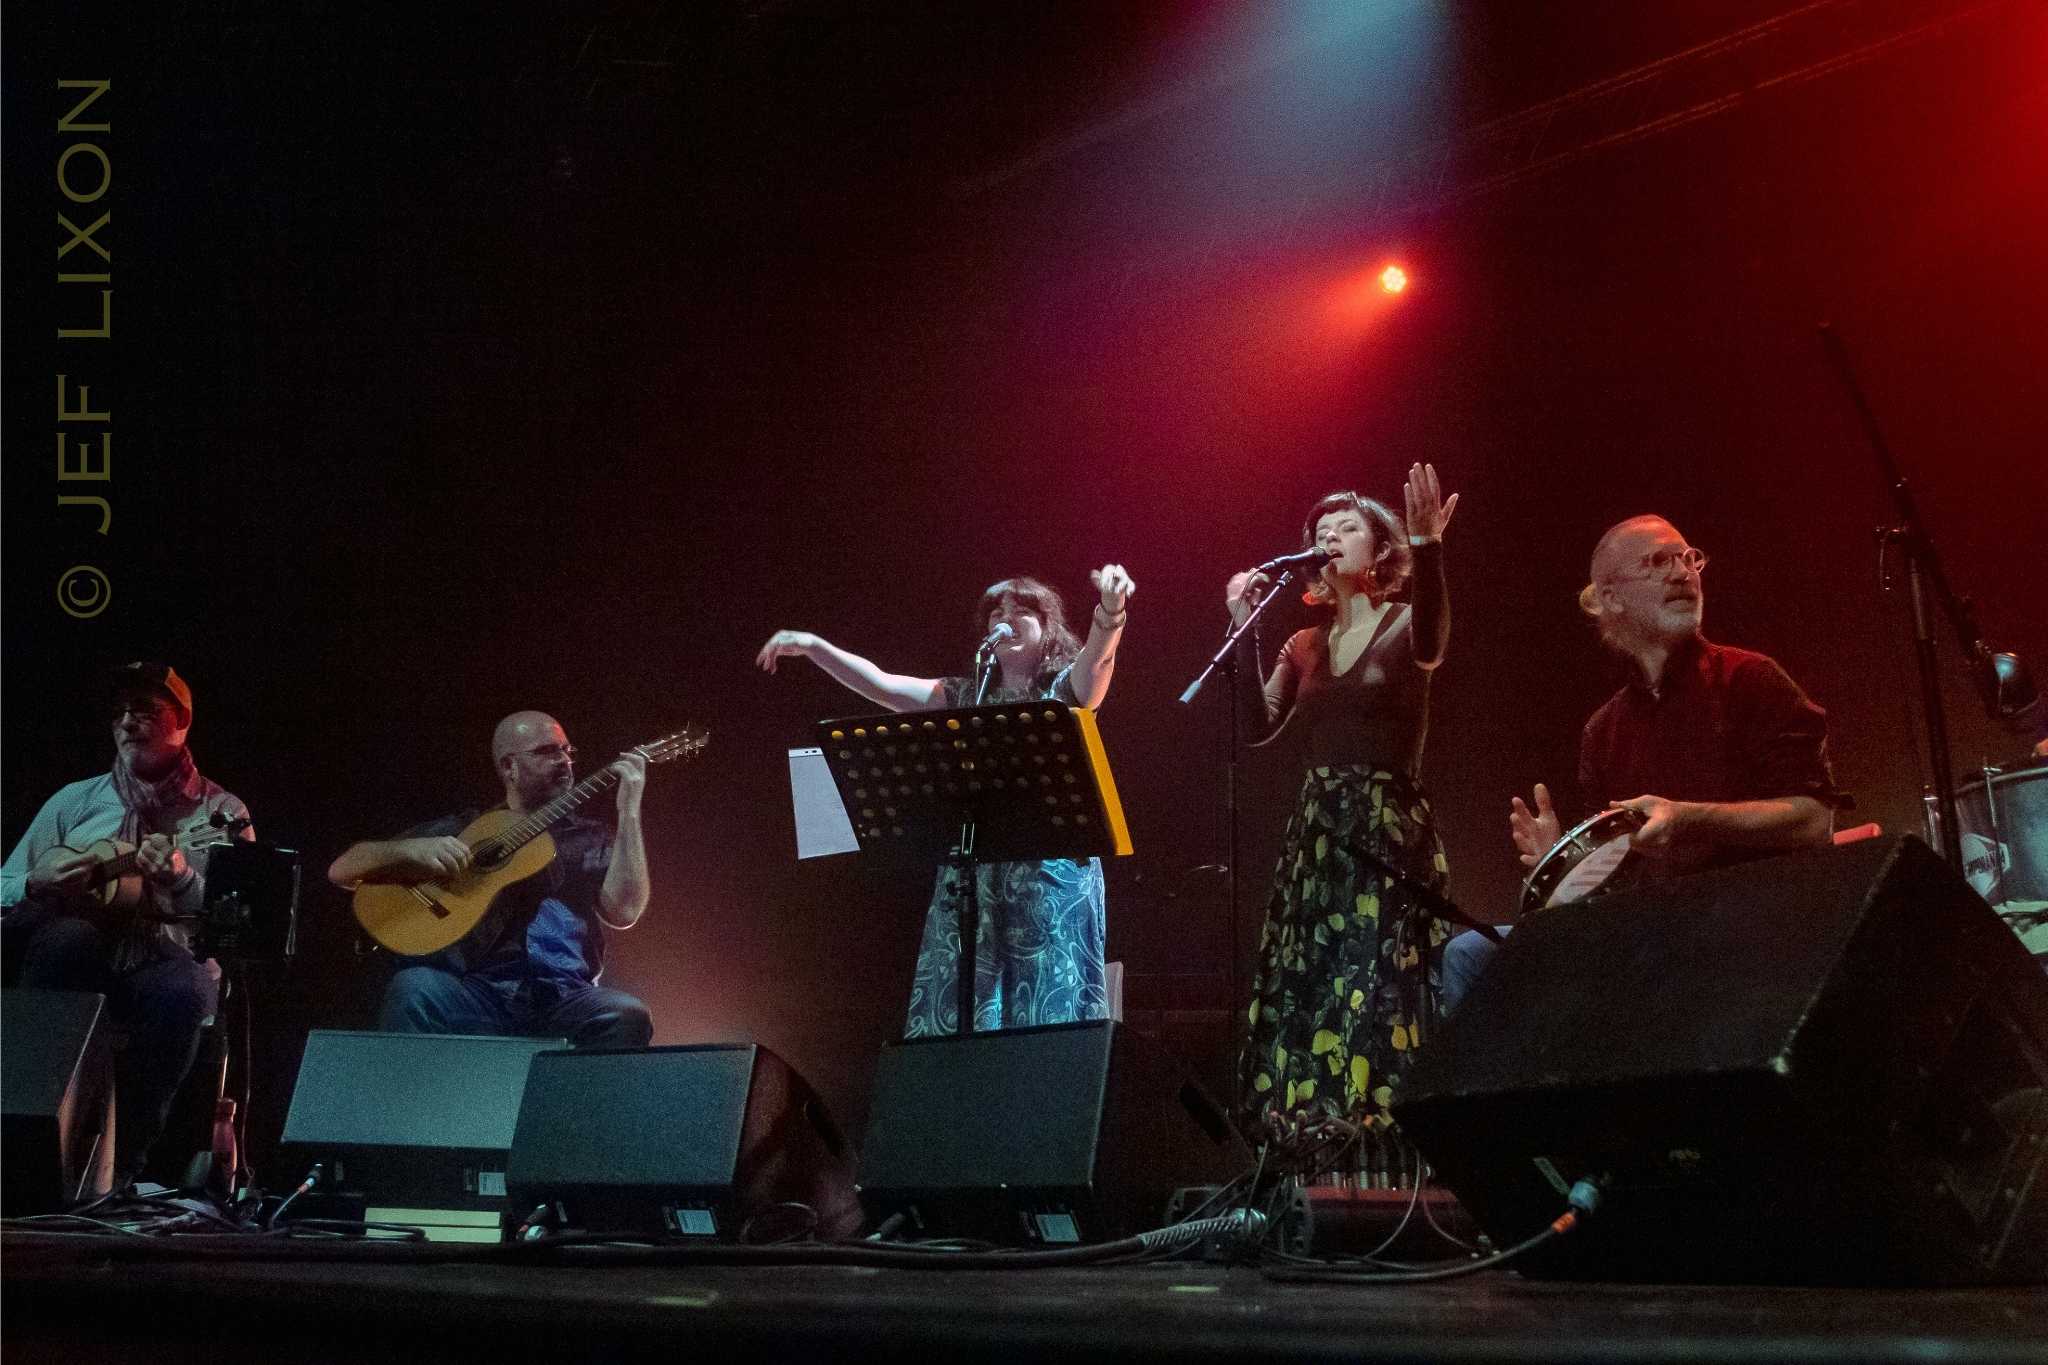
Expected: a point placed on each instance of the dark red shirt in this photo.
(1725, 724)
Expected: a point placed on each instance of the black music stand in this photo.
(251, 916)
(1017, 781)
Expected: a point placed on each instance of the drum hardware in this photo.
(1593, 858)
(2003, 830)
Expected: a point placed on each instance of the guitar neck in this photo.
(568, 803)
(187, 841)
(115, 868)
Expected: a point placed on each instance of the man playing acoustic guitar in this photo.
(1714, 750)
(531, 965)
(83, 892)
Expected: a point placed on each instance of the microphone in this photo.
(1307, 559)
(1001, 633)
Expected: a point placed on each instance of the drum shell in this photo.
(2007, 813)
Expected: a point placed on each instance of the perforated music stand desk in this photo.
(1017, 781)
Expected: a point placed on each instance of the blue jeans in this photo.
(161, 1005)
(422, 999)
(1465, 959)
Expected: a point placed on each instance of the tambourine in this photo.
(1592, 859)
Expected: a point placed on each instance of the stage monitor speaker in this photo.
(1054, 1135)
(57, 1098)
(414, 1120)
(1825, 1068)
(721, 1141)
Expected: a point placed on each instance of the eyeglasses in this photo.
(548, 751)
(144, 708)
(1658, 565)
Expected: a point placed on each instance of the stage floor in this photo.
(74, 1299)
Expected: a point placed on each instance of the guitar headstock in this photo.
(687, 742)
(211, 830)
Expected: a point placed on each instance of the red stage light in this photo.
(1393, 279)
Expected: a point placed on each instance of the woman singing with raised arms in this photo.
(1345, 969)
(1038, 949)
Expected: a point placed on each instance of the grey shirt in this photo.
(83, 812)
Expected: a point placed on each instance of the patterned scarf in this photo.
(148, 807)
(149, 803)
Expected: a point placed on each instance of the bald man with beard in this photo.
(531, 966)
(1716, 749)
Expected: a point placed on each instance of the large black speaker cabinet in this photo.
(719, 1141)
(57, 1097)
(410, 1119)
(1822, 1068)
(1067, 1133)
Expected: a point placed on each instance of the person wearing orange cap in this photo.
(57, 935)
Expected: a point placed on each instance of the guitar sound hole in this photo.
(489, 856)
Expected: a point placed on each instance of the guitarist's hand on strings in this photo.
(441, 856)
(160, 859)
(61, 878)
(1535, 832)
(632, 771)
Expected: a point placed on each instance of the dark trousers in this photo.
(423, 999)
(161, 1005)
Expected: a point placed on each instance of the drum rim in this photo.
(1570, 839)
(1997, 775)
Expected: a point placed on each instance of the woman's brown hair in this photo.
(1041, 601)
(1393, 561)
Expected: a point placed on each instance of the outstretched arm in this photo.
(399, 860)
(1695, 829)
(895, 691)
(1097, 659)
(1428, 516)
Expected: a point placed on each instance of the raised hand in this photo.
(1535, 832)
(1115, 586)
(785, 644)
(1428, 513)
(632, 771)
(1245, 591)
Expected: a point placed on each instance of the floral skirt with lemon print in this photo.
(1346, 975)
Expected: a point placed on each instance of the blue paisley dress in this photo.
(1038, 945)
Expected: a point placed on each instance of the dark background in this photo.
(468, 360)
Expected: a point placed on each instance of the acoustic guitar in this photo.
(505, 847)
(114, 892)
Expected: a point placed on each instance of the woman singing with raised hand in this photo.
(1345, 968)
(1038, 948)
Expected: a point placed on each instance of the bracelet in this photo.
(1111, 621)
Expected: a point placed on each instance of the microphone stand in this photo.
(1441, 906)
(967, 886)
(1226, 658)
(985, 672)
(1923, 572)
(1236, 633)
